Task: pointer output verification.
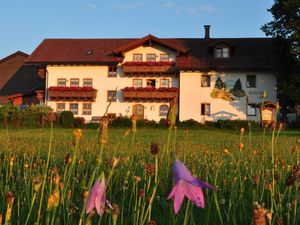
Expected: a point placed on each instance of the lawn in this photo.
(241, 168)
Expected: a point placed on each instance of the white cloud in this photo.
(120, 6)
(91, 5)
(195, 10)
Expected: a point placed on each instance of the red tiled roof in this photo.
(246, 53)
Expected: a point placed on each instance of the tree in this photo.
(285, 28)
(220, 84)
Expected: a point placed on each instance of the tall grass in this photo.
(138, 182)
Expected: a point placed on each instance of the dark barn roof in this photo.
(193, 53)
(24, 81)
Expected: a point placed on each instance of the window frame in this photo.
(209, 78)
(152, 80)
(60, 103)
(86, 111)
(150, 54)
(163, 79)
(164, 54)
(85, 79)
(248, 83)
(111, 72)
(205, 104)
(115, 96)
(137, 54)
(70, 109)
(74, 79)
(137, 80)
(57, 82)
(222, 52)
(160, 111)
(252, 105)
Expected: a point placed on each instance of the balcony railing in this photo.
(72, 93)
(149, 68)
(149, 94)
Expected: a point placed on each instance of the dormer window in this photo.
(221, 52)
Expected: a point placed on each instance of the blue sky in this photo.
(25, 23)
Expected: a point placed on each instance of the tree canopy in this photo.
(285, 28)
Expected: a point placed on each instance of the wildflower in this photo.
(103, 132)
(68, 159)
(241, 146)
(149, 169)
(226, 151)
(50, 202)
(137, 179)
(260, 215)
(187, 185)
(154, 148)
(26, 165)
(292, 178)
(242, 131)
(115, 162)
(37, 183)
(77, 134)
(264, 94)
(172, 113)
(97, 197)
(152, 222)
(141, 193)
(51, 117)
(168, 123)
(133, 123)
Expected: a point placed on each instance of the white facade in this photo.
(103, 83)
(192, 95)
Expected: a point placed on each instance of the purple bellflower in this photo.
(187, 185)
(97, 197)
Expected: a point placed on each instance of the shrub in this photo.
(66, 119)
(189, 124)
(32, 115)
(121, 121)
(7, 114)
(78, 122)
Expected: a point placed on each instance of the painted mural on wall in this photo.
(227, 93)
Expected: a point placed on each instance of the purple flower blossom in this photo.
(97, 197)
(187, 185)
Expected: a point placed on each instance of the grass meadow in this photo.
(46, 175)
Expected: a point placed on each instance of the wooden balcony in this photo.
(72, 94)
(149, 68)
(149, 94)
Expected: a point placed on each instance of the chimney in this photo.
(206, 27)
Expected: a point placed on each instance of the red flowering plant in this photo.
(57, 88)
(149, 89)
(148, 63)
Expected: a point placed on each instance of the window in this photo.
(163, 110)
(61, 82)
(60, 107)
(164, 58)
(251, 81)
(74, 82)
(151, 83)
(74, 108)
(87, 82)
(150, 57)
(111, 96)
(251, 110)
(112, 71)
(205, 109)
(222, 52)
(137, 83)
(205, 81)
(137, 57)
(87, 109)
(165, 83)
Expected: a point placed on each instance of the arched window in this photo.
(163, 110)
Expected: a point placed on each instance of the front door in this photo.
(138, 111)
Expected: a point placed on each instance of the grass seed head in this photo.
(9, 197)
(152, 222)
(293, 176)
(154, 148)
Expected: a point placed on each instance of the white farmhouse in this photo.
(210, 78)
